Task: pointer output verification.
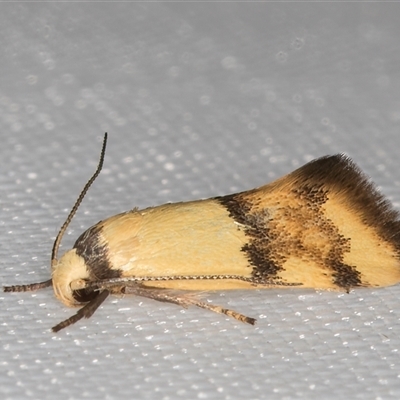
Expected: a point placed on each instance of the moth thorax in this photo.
(68, 273)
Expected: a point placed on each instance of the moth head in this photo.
(69, 276)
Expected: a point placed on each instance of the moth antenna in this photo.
(78, 202)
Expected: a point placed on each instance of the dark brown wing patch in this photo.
(94, 251)
(287, 220)
(341, 176)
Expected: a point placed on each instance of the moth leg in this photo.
(85, 312)
(220, 310)
(185, 300)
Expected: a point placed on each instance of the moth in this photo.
(323, 226)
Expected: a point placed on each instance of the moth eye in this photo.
(84, 295)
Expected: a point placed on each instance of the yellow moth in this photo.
(322, 226)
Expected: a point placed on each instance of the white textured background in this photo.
(200, 99)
